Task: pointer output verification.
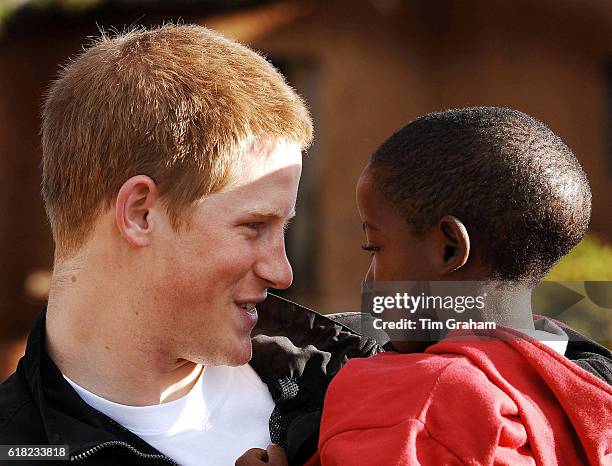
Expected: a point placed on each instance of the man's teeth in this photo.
(248, 306)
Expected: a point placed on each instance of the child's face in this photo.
(397, 253)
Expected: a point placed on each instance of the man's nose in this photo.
(274, 267)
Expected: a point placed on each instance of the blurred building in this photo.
(365, 67)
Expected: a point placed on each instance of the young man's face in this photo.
(212, 275)
(397, 253)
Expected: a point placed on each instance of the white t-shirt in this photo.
(225, 414)
(550, 334)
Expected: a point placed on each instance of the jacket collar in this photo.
(67, 419)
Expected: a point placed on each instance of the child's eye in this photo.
(370, 248)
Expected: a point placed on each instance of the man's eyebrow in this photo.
(271, 213)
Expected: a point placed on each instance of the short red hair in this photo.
(178, 103)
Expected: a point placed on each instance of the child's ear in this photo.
(454, 244)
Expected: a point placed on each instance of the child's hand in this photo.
(272, 456)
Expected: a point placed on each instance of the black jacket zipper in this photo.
(116, 443)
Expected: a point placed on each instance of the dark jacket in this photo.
(296, 352)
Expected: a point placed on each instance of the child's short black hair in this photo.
(518, 189)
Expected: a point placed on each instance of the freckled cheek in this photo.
(216, 278)
(206, 271)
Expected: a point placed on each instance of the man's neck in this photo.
(102, 345)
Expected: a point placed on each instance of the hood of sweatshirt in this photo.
(548, 388)
(479, 398)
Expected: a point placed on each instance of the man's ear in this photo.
(132, 207)
(454, 244)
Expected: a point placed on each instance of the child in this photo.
(477, 195)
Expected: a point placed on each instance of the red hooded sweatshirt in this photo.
(509, 401)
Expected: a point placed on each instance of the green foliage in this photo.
(68, 5)
(591, 259)
(6, 10)
(9, 7)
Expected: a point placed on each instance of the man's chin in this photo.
(241, 354)
(235, 351)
